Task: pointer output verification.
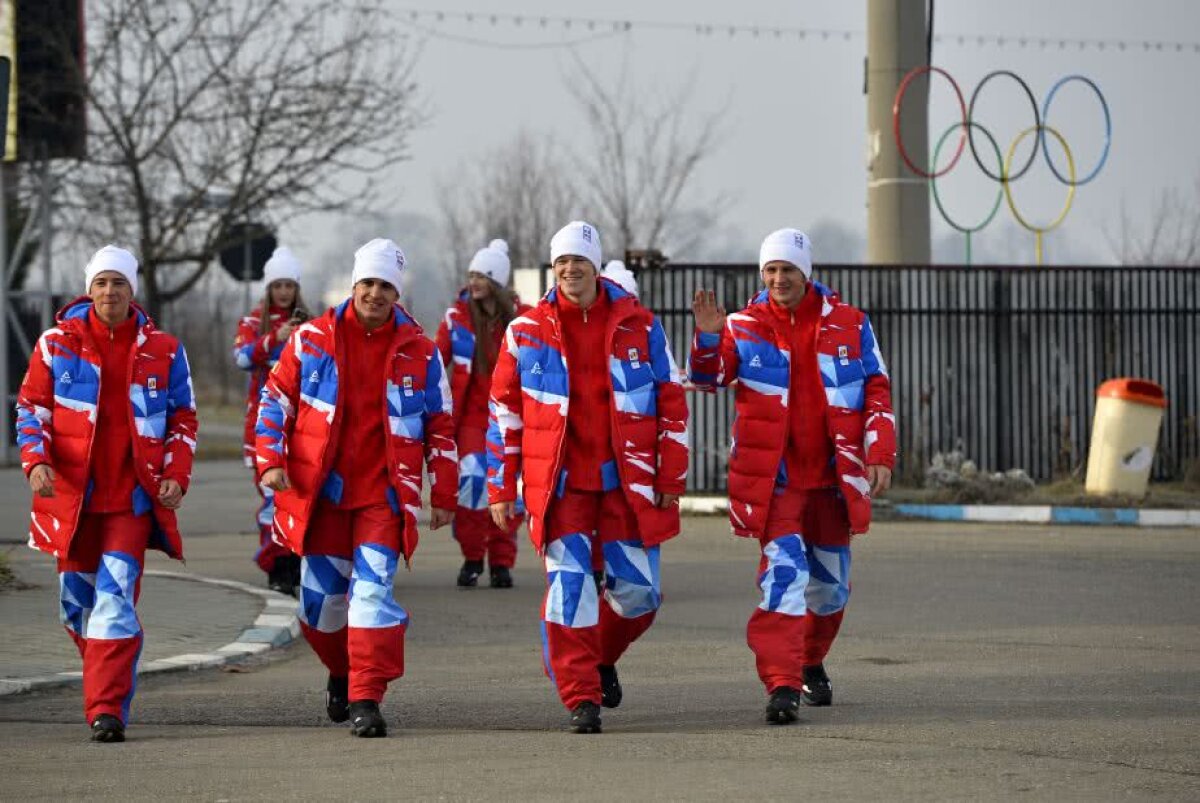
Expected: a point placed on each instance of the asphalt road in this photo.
(977, 662)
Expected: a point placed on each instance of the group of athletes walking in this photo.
(569, 415)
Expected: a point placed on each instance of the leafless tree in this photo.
(637, 169)
(518, 192)
(205, 113)
(1172, 237)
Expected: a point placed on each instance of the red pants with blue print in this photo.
(99, 582)
(268, 551)
(348, 611)
(477, 535)
(804, 577)
(585, 532)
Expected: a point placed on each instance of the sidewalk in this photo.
(189, 622)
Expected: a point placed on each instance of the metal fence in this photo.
(1001, 362)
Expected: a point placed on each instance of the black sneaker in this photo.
(784, 706)
(585, 718)
(337, 699)
(817, 689)
(366, 721)
(279, 579)
(610, 687)
(468, 575)
(107, 728)
(501, 577)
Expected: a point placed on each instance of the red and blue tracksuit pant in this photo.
(268, 551)
(99, 582)
(348, 611)
(804, 577)
(586, 624)
(477, 535)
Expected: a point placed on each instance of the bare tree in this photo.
(1172, 237)
(206, 113)
(641, 161)
(518, 192)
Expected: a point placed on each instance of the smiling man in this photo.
(587, 406)
(813, 440)
(106, 423)
(358, 398)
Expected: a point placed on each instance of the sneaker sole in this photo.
(784, 716)
(585, 728)
(108, 737)
(371, 732)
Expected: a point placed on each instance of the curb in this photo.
(1052, 514)
(276, 626)
(1000, 514)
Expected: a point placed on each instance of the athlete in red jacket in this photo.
(259, 342)
(106, 424)
(356, 403)
(469, 339)
(813, 439)
(588, 408)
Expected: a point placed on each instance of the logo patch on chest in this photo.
(755, 362)
(844, 354)
(407, 384)
(633, 358)
(65, 378)
(152, 386)
(314, 377)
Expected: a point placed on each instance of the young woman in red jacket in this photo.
(106, 424)
(469, 339)
(260, 339)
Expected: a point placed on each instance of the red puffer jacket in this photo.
(753, 351)
(298, 422)
(56, 424)
(529, 409)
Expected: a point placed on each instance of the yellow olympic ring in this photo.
(1038, 232)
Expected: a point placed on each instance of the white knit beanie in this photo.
(282, 266)
(110, 257)
(577, 239)
(787, 245)
(492, 262)
(616, 270)
(379, 259)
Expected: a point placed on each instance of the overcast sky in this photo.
(795, 150)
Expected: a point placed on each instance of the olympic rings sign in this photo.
(967, 126)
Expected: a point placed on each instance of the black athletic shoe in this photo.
(585, 718)
(784, 706)
(610, 687)
(107, 728)
(337, 699)
(366, 721)
(468, 575)
(501, 577)
(280, 578)
(817, 690)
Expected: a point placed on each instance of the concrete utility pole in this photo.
(897, 199)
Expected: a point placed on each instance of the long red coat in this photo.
(57, 409)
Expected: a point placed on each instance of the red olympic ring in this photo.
(962, 107)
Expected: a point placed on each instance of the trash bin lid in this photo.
(1139, 391)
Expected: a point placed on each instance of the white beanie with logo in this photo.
(282, 266)
(492, 262)
(379, 259)
(110, 257)
(577, 238)
(616, 271)
(787, 245)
